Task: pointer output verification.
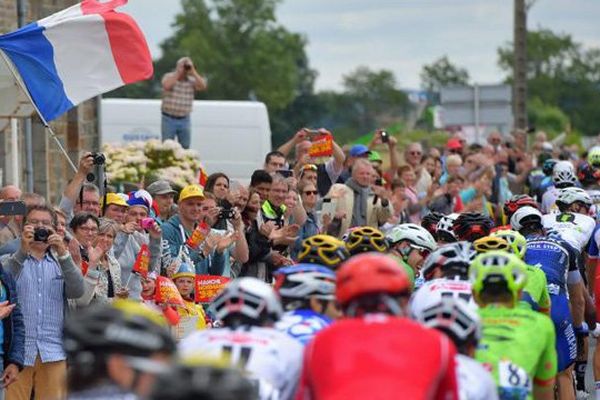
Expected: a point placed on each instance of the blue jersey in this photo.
(302, 325)
(557, 258)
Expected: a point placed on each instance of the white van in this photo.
(230, 136)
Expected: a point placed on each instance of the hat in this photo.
(374, 156)
(160, 187)
(359, 150)
(547, 146)
(116, 199)
(453, 144)
(140, 198)
(191, 191)
(185, 271)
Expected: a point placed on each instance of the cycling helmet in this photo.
(570, 195)
(365, 239)
(452, 259)
(370, 274)
(453, 316)
(517, 201)
(122, 327)
(564, 174)
(525, 216)
(472, 226)
(414, 233)
(587, 174)
(498, 272)
(444, 228)
(323, 250)
(516, 241)
(490, 243)
(430, 222)
(594, 156)
(548, 166)
(248, 297)
(303, 281)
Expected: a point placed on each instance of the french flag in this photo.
(76, 54)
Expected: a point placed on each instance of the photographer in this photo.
(79, 195)
(46, 276)
(179, 87)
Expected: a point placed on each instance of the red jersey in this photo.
(378, 357)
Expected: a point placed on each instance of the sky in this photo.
(400, 35)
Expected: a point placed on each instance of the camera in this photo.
(99, 158)
(187, 67)
(379, 182)
(227, 213)
(384, 137)
(41, 234)
(147, 223)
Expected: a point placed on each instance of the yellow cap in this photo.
(191, 191)
(116, 199)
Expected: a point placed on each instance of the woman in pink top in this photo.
(408, 176)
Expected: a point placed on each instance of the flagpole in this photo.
(53, 135)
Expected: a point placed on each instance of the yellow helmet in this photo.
(323, 250)
(490, 243)
(516, 241)
(365, 239)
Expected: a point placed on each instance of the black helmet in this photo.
(472, 226)
(430, 222)
(123, 327)
(189, 382)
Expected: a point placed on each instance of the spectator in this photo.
(185, 280)
(238, 195)
(163, 195)
(9, 226)
(413, 206)
(115, 208)
(274, 161)
(218, 185)
(494, 139)
(251, 209)
(30, 200)
(80, 195)
(454, 146)
(453, 164)
(309, 197)
(85, 229)
(179, 87)
(308, 174)
(261, 181)
(46, 276)
(399, 205)
(413, 155)
(356, 152)
(361, 202)
(12, 331)
(447, 199)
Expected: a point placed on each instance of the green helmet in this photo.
(593, 157)
(498, 270)
(517, 242)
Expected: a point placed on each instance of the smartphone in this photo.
(286, 173)
(12, 208)
(147, 223)
(329, 207)
(385, 138)
(311, 133)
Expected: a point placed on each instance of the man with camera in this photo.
(80, 195)
(46, 276)
(179, 87)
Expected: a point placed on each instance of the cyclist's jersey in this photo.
(575, 228)
(446, 288)
(518, 348)
(302, 325)
(474, 381)
(557, 258)
(535, 293)
(377, 356)
(267, 355)
(545, 184)
(549, 200)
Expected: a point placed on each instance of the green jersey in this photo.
(518, 348)
(535, 293)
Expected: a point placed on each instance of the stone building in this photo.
(77, 129)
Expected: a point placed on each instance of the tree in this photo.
(561, 73)
(442, 73)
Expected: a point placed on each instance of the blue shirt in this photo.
(302, 325)
(3, 297)
(40, 286)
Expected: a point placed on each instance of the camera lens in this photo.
(41, 234)
(99, 158)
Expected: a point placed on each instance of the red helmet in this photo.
(370, 273)
(517, 201)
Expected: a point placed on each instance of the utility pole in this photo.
(520, 65)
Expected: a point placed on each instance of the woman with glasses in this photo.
(218, 185)
(84, 227)
(309, 196)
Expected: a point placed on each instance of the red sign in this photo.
(142, 261)
(322, 146)
(167, 293)
(198, 235)
(208, 286)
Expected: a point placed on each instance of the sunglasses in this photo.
(415, 153)
(311, 192)
(455, 151)
(423, 252)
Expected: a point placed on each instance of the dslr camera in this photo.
(99, 158)
(41, 234)
(227, 213)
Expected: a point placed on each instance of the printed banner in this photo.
(167, 293)
(208, 286)
(142, 261)
(322, 146)
(198, 235)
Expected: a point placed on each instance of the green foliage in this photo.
(442, 73)
(562, 74)
(546, 117)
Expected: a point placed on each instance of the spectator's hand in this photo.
(226, 241)
(56, 242)
(279, 260)
(95, 254)
(73, 248)
(381, 192)
(129, 227)
(392, 142)
(266, 228)
(337, 192)
(292, 182)
(122, 293)
(27, 238)
(286, 235)
(324, 131)
(210, 243)
(10, 375)
(173, 267)
(86, 164)
(6, 309)
(301, 135)
(238, 223)
(154, 231)
(213, 213)
(327, 220)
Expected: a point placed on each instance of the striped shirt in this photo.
(40, 286)
(179, 100)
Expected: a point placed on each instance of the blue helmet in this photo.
(303, 281)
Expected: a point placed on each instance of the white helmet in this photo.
(444, 230)
(563, 174)
(249, 297)
(414, 233)
(570, 195)
(524, 215)
(454, 316)
(453, 259)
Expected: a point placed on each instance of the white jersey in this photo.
(267, 355)
(442, 288)
(474, 381)
(549, 200)
(575, 228)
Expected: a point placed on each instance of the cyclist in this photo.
(248, 308)
(546, 183)
(513, 204)
(430, 222)
(339, 364)
(563, 176)
(307, 293)
(559, 261)
(324, 250)
(365, 239)
(472, 226)
(444, 229)
(412, 244)
(115, 351)
(461, 323)
(518, 344)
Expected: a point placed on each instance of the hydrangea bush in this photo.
(151, 160)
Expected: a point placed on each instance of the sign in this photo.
(198, 235)
(142, 261)
(167, 293)
(208, 286)
(322, 146)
